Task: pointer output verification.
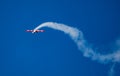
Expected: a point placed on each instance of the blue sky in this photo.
(53, 53)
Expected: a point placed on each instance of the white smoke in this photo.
(82, 44)
(112, 72)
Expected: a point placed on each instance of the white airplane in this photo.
(37, 31)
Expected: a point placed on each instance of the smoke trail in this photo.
(111, 72)
(83, 46)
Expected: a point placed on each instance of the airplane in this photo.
(37, 31)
